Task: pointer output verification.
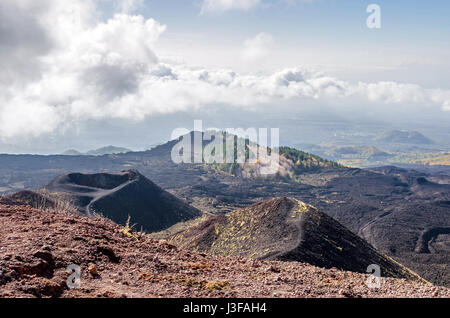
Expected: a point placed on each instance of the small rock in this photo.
(348, 293)
(254, 263)
(93, 270)
(273, 269)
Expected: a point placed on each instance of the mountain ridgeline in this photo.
(292, 161)
(284, 229)
(404, 137)
(115, 196)
(304, 161)
(401, 212)
(108, 150)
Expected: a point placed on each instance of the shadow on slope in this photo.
(117, 196)
(285, 229)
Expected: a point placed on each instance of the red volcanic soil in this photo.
(37, 246)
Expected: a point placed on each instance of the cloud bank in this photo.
(63, 65)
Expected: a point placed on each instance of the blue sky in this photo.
(327, 34)
(79, 69)
(404, 21)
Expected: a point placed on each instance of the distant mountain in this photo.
(115, 196)
(284, 229)
(72, 152)
(292, 162)
(108, 150)
(404, 137)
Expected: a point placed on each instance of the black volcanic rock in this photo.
(385, 206)
(284, 229)
(118, 196)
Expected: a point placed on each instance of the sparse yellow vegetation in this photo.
(237, 233)
(439, 160)
(53, 202)
(173, 233)
(187, 281)
(128, 230)
(217, 285)
(301, 208)
(197, 265)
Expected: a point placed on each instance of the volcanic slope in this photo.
(117, 197)
(284, 229)
(389, 207)
(36, 247)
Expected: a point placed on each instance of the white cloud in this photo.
(128, 6)
(226, 5)
(257, 47)
(92, 70)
